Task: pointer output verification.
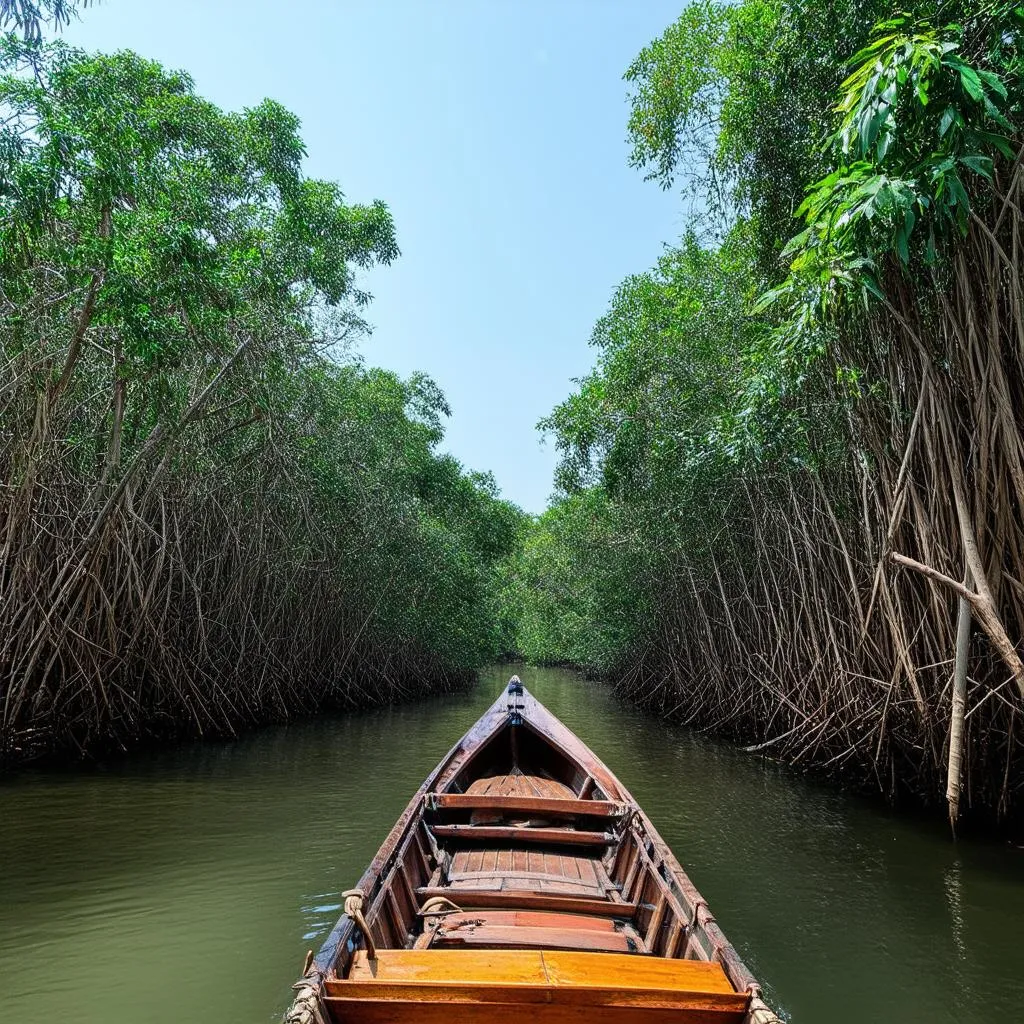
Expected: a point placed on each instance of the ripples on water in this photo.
(187, 885)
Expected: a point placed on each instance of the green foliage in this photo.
(30, 16)
(179, 303)
(649, 446)
(918, 123)
(646, 422)
(679, 82)
(573, 592)
(735, 98)
(734, 371)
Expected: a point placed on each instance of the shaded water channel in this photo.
(186, 885)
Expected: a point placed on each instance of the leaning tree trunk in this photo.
(956, 722)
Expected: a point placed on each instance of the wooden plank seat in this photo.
(502, 986)
(523, 929)
(524, 834)
(524, 899)
(555, 807)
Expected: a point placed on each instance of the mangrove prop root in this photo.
(830, 628)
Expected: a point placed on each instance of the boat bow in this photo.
(524, 877)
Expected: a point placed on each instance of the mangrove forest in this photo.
(789, 501)
(788, 509)
(633, 390)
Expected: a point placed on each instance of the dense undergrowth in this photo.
(211, 512)
(791, 490)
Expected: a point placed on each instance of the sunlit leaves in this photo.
(207, 213)
(155, 251)
(883, 137)
(678, 90)
(920, 130)
(31, 16)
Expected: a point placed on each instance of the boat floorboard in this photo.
(493, 867)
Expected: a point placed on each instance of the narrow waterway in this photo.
(187, 885)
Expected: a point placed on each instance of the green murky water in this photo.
(187, 885)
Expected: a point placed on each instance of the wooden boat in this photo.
(523, 880)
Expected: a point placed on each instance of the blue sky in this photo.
(495, 131)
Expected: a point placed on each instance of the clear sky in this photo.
(495, 131)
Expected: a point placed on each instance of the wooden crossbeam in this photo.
(554, 806)
(523, 899)
(386, 1009)
(550, 836)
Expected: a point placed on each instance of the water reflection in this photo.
(188, 884)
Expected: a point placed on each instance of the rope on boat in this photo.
(443, 905)
(307, 1008)
(759, 1012)
(436, 907)
(354, 908)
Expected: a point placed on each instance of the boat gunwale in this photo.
(325, 960)
(534, 716)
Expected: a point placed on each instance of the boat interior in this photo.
(527, 880)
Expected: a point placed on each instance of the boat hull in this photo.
(523, 877)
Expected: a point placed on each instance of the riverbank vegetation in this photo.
(212, 511)
(789, 499)
(791, 490)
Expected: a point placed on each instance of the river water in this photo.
(186, 885)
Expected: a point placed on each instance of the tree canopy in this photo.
(221, 512)
(802, 429)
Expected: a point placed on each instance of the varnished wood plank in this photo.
(551, 836)
(568, 969)
(559, 806)
(392, 1011)
(676, 932)
(513, 937)
(498, 986)
(563, 969)
(633, 868)
(536, 786)
(530, 919)
(536, 929)
(564, 886)
(407, 886)
(478, 880)
(528, 900)
(469, 993)
(498, 965)
(588, 873)
(651, 934)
